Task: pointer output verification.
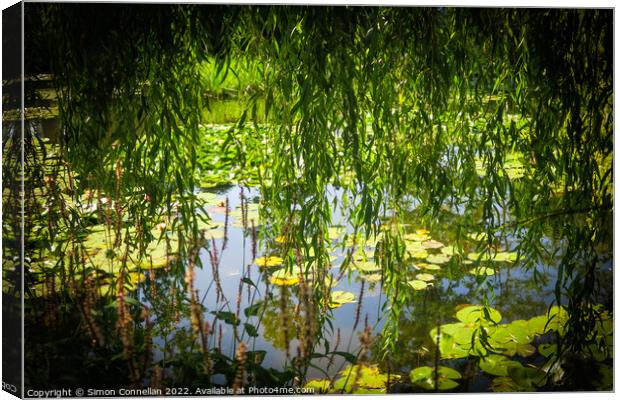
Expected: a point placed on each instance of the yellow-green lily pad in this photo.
(271, 261)
(339, 297)
(482, 271)
(284, 278)
(416, 237)
(432, 244)
(427, 266)
(438, 258)
(417, 284)
(449, 250)
(367, 266)
(420, 254)
(425, 277)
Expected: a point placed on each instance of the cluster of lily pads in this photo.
(479, 333)
(355, 378)
(281, 276)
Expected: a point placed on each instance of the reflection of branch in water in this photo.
(554, 214)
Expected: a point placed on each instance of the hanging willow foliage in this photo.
(404, 100)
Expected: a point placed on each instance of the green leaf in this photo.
(253, 309)
(226, 316)
(250, 329)
(347, 356)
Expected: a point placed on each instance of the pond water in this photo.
(518, 294)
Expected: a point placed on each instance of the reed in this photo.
(286, 321)
(241, 358)
(358, 309)
(148, 340)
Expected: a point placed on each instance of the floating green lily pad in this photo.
(450, 250)
(548, 349)
(497, 365)
(416, 237)
(336, 232)
(366, 266)
(482, 271)
(339, 297)
(319, 385)
(479, 314)
(361, 379)
(424, 377)
(419, 254)
(438, 258)
(413, 247)
(504, 384)
(497, 257)
(432, 244)
(372, 278)
(527, 377)
(425, 277)
(427, 266)
(418, 284)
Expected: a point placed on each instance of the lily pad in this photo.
(527, 377)
(425, 277)
(449, 250)
(424, 377)
(372, 278)
(432, 244)
(284, 278)
(335, 232)
(548, 349)
(520, 331)
(438, 258)
(497, 365)
(413, 247)
(427, 266)
(417, 237)
(361, 379)
(272, 261)
(367, 266)
(506, 384)
(418, 284)
(339, 297)
(497, 257)
(448, 347)
(482, 271)
(478, 314)
(420, 254)
(319, 385)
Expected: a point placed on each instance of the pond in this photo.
(461, 311)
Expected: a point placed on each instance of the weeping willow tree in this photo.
(409, 103)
